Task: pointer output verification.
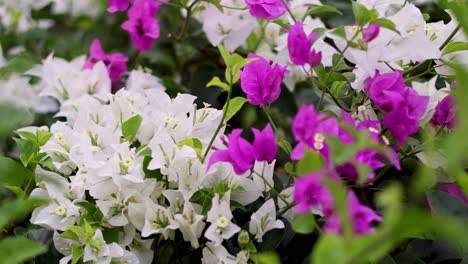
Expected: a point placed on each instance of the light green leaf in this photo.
(363, 15)
(13, 117)
(455, 46)
(311, 162)
(194, 143)
(16, 250)
(303, 223)
(77, 253)
(218, 83)
(385, 23)
(12, 210)
(130, 127)
(235, 105)
(266, 258)
(322, 9)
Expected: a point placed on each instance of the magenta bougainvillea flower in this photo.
(404, 106)
(116, 63)
(309, 129)
(370, 157)
(266, 9)
(445, 113)
(385, 90)
(299, 46)
(309, 192)
(361, 216)
(370, 32)
(264, 145)
(118, 5)
(455, 191)
(261, 80)
(239, 153)
(142, 25)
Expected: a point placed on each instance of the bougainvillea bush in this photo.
(230, 131)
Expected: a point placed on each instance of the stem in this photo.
(187, 20)
(273, 189)
(454, 32)
(221, 123)
(267, 113)
(289, 11)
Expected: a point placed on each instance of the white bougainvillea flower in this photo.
(191, 224)
(220, 217)
(264, 220)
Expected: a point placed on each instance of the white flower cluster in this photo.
(133, 163)
(16, 15)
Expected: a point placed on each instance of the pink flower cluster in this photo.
(403, 106)
(309, 129)
(116, 63)
(142, 25)
(241, 154)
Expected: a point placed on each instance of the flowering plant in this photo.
(315, 139)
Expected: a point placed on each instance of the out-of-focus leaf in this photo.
(19, 249)
(13, 173)
(13, 117)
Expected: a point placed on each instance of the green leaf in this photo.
(19, 249)
(235, 105)
(322, 9)
(282, 24)
(336, 88)
(303, 223)
(77, 253)
(455, 46)
(92, 214)
(442, 202)
(329, 249)
(112, 235)
(194, 143)
(68, 234)
(224, 53)
(203, 197)
(266, 258)
(13, 210)
(362, 15)
(385, 23)
(13, 117)
(13, 173)
(311, 162)
(285, 145)
(130, 127)
(18, 64)
(218, 83)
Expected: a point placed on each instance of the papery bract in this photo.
(118, 5)
(445, 113)
(370, 32)
(299, 46)
(455, 191)
(309, 192)
(261, 80)
(264, 145)
(116, 63)
(362, 218)
(239, 153)
(142, 25)
(385, 90)
(266, 9)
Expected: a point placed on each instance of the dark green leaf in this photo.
(13, 173)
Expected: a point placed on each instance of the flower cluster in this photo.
(146, 182)
(127, 168)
